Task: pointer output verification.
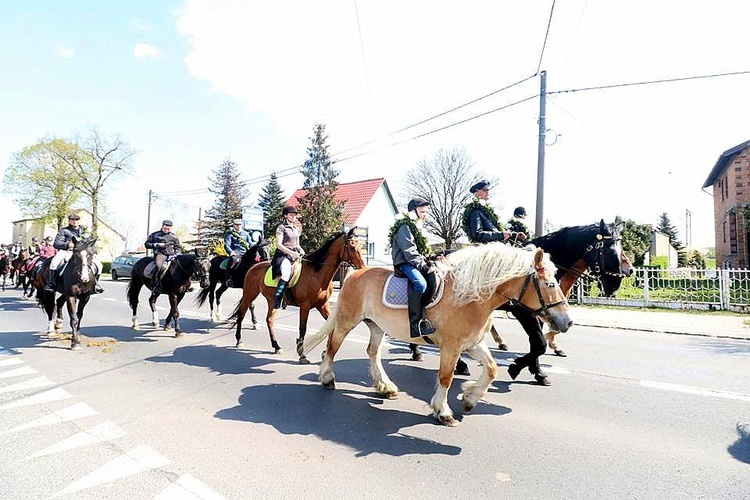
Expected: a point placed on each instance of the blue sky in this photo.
(190, 83)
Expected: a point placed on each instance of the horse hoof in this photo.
(239, 344)
(417, 356)
(561, 353)
(513, 370)
(329, 385)
(254, 327)
(303, 360)
(75, 347)
(177, 335)
(502, 346)
(462, 370)
(542, 380)
(278, 350)
(448, 420)
(167, 328)
(467, 407)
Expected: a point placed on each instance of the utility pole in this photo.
(539, 226)
(688, 227)
(148, 216)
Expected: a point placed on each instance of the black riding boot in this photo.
(418, 326)
(97, 287)
(279, 294)
(52, 283)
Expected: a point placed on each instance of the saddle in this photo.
(395, 292)
(150, 270)
(225, 263)
(269, 280)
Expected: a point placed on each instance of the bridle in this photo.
(543, 310)
(347, 260)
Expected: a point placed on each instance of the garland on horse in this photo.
(312, 291)
(478, 280)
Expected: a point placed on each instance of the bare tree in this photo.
(444, 181)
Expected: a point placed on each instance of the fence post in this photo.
(725, 286)
(646, 277)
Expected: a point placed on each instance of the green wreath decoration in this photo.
(422, 246)
(237, 235)
(491, 215)
(518, 227)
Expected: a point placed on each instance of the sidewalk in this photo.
(710, 324)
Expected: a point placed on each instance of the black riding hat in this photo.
(519, 212)
(417, 202)
(483, 184)
(289, 210)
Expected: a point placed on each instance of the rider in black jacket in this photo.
(65, 242)
(164, 243)
(480, 221)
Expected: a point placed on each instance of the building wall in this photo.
(378, 217)
(660, 246)
(731, 199)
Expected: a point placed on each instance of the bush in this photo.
(106, 267)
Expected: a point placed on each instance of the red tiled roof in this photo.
(354, 195)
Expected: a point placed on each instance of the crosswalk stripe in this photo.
(24, 370)
(188, 488)
(34, 383)
(106, 431)
(41, 398)
(139, 459)
(11, 361)
(74, 412)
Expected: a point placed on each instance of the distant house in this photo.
(730, 180)
(661, 247)
(109, 245)
(370, 206)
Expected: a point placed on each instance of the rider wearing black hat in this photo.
(409, 250)
(288, 250)
(480, 223)
(64, 242)
(517, 225)
(164, 243)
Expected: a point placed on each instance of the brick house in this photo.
(730, 180)
(370, 206)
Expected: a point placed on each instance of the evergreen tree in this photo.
(271, 201)
(230, 194)
(636, 240)
(321, 215)
(666, 227)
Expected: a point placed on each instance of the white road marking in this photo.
(74, 412)
(24, 370)
(110, 300)
(41, 398)
(139, 459)
(34, 383)
(188, 488)
(11, 362)
(696, 390)
(106, 431)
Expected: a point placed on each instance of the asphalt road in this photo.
(142, 415)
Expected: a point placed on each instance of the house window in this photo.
(732, 233)
(724, 231)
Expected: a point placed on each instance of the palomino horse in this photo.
(75, 284)
(312, 291)
(256, 253)
(4, 268)
(574, 250)
(174, 283)
(479, 279)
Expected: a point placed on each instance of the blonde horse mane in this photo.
(478, 270)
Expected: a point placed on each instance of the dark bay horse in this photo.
(18, 268)
(312, 291)
(174, 283)
(259, 252)
(75, 284)
(594, 248)
(478, 280)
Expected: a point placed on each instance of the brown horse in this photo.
(4, 268)
(312, 291)
(478, 280)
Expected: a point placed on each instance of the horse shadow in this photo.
(222, 360)
(740, 449)
(14, 304)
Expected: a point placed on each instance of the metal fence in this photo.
(705, 289)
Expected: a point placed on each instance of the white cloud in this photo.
(146, 51)
(65, 52)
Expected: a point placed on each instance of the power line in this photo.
(649, 82)
(546, 34)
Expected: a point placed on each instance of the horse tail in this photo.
(325, 331)
(133, 290)
(234, 318)
(202, 296)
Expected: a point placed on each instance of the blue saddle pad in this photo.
(395, 293)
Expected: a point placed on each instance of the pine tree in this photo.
(271, 201)
(230, 194)
(666, 227)
(321, 215)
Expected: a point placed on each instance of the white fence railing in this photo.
(706, 289)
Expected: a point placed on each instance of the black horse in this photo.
(595, 249)
(234, 278)
(75, 284)
(175, 283)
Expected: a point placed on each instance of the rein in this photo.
(543, 310)
(346, 260)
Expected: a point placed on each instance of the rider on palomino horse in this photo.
(164, 243)
(236, 243)
(409, 250)
(64, 243)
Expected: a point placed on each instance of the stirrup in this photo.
(98, 289)
(426, 328)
